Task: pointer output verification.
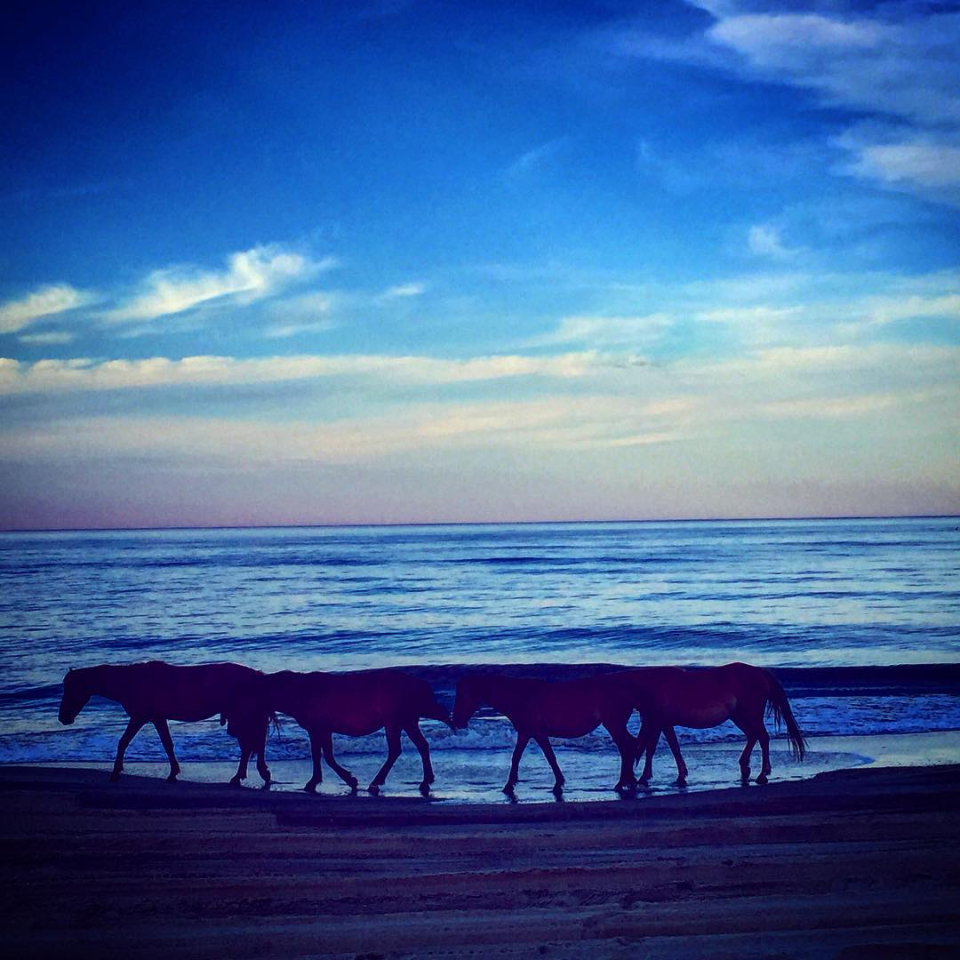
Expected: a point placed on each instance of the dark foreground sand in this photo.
(848, 864)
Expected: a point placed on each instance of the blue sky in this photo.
(412, 261)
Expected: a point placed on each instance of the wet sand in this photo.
(847, 864)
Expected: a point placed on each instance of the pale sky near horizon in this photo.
(418, 261)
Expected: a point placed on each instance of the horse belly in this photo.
(568, 725)
(702, 717)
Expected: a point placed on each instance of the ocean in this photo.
(860, 619)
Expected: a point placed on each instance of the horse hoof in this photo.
(172, 778)
(762, 778)
(310, 787)
(424, 789)
(235, 782)
(373, 789)
(114, 777)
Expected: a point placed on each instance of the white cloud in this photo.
(250, 275)
(404, 290)
(45, 302)
(830, 408)
(46, 339)
(307, 313)
(553, 422)
(85, 374)
(897, 62)
(891, 309)
(609, 331)
(750, 316)
(903, 160)
(764, 241)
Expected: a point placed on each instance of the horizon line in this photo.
(346, 525)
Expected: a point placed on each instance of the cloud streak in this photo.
(895, 66)
(57, 376)
(46, 302)
(250, 275)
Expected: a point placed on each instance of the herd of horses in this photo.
(362, 702)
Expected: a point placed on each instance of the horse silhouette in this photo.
(356, 704)
(540, 709)
(155, 692)
(706, 697)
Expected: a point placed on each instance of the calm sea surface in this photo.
(798, 596)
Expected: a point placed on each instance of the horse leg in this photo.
(647, 740)
(241, 773)
(420, 742)
(671, 737)
(547, 748)
(342, 772)
(745, 758)
(764, 739)
(316, 752)
(260, 749)
(164, 731)
(751, 724)
(133, 728)
(522, 740)
(627, 747)
(393, 751)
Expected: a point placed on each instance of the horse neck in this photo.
(501, 693)
(102, 681)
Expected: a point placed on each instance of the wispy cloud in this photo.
(53, 338)
(896, 65)
(555, 422)
(605, 332)
(536, 158)
(84, 374)
(45, 302)
(404, 291)
(250, 275)
(293, 316)
(764, 241)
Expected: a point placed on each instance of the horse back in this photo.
(156, 689)
(355, 703)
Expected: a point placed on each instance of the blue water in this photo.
(797, 596)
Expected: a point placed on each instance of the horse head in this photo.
(76, 693)
(469, 697)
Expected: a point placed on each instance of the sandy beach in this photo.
(848, 863)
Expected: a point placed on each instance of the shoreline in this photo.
(471, 777)
(844, 864)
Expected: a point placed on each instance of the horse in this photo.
(540, 709)
(706, 697)
(155, 692)
(356, 704)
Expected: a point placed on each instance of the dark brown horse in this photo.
(356, 704)
(700, 698)
(540, 709)
(155, 692)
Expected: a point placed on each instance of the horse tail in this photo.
(274, 722)
(783, 713)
